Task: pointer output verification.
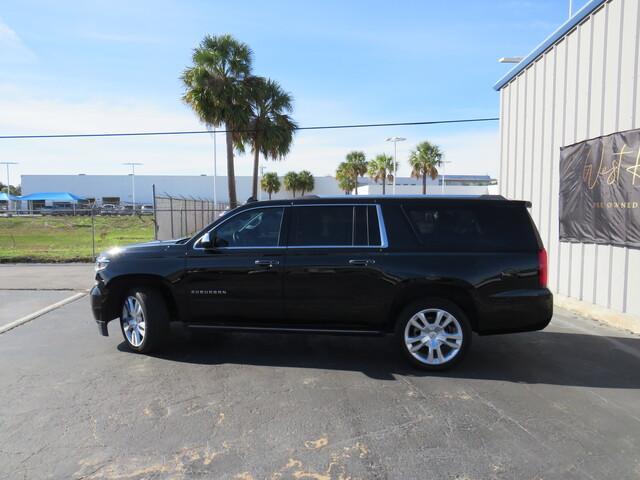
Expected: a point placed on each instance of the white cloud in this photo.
(12, 48)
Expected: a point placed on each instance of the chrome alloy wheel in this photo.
(133, 322)
(433, 336)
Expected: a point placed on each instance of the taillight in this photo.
(543, 268)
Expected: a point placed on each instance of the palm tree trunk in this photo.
(256, 162)
(231, 176)
(384, 183)
(269, 195)
(424, 184)
(355, 182)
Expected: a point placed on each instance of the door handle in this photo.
(362, 262)
(266, 263)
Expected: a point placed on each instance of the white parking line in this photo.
(39, 313)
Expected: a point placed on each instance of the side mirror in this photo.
(205, 241)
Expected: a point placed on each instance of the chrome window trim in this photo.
(384, 243)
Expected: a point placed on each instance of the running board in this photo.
(234, 328)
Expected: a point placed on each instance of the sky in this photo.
(114, 66)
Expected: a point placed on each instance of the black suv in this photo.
(429, 270)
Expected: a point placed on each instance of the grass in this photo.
(69, 238)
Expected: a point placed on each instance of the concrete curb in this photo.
(615, 319)
(39, 313)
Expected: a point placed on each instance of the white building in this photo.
(119, 188)
(582, 82)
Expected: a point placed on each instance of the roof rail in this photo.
(492, 197)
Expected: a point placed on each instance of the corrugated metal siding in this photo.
(585, 85)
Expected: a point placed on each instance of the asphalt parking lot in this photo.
(561, 403)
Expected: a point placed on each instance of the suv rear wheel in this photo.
(433, 334)
(144, 319)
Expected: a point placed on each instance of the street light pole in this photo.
(395, 141)
(260, 186)
(133, 182)
(8, 183)
(215, 165)
(443, 180)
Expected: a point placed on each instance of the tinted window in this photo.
(367, 231)
(253, 228)
(322, 226)
(472, 228)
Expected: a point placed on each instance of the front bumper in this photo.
(97, 306)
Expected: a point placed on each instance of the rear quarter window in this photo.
(476, 228)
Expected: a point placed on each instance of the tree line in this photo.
(294, 182)
(424, 161)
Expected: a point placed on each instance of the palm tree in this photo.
(356, 166)
(270, 183)
(344, 176)
(381, 168)
(291, 182)
(271, 128)
(424, 161)
(214, 90)
(305, 182)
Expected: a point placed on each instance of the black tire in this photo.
(443, 356)
(156, 319)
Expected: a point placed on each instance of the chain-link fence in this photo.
(177, 217)
(80, 232)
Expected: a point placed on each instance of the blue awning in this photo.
(53, 197)
(4, 197)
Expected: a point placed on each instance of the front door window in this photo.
(256, 228)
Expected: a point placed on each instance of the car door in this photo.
(332, 279)
(239, 279)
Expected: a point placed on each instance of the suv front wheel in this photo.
(144, 319)
(433, 334)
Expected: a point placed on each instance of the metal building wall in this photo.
(583, 86)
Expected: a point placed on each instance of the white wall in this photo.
(99, 186)
(201, 187)
(584, 86)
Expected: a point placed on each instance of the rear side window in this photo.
(480, 228)
(335, 226)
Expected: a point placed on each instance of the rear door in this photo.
(332, 277)
(240, 279)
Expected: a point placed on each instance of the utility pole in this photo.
(8, 183)
(133, 183)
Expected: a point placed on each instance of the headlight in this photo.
(101, 263)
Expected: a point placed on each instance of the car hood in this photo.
(145, 248)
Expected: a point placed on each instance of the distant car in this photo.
(108, 209)
(146, 210)
(125, 210)
(429, 271)
(60, 211)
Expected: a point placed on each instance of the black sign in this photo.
(600, 190)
